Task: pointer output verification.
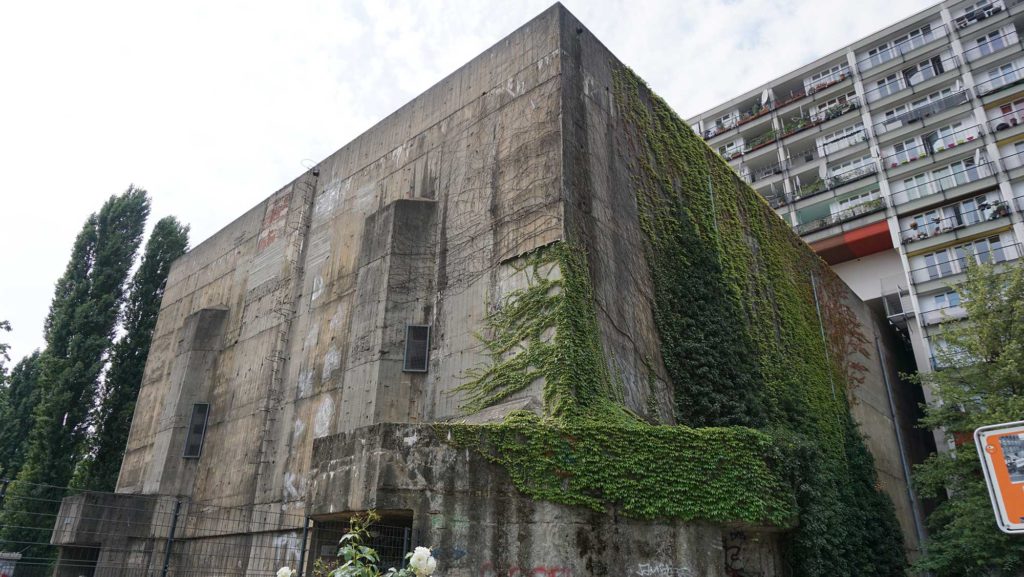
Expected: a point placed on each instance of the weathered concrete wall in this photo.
(419, 221)
(407, 224)
(602, 215)
(468, 510)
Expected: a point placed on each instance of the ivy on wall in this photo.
(757, 343)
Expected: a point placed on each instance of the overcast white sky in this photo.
(213, 105)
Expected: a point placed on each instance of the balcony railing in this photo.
(830, 80)
(941, 183)
(820, 185)
(834, 146)
(978, 14)
(1005, 80)
(898, 50)
(931, 144)
(947, 268)
(902, 82)
(1006, 121)
(766, 171)
(1013, 160)
(939, 226)
(991, 46)
(924, 111)
(797, 124)
(868, 207)
(943, 314)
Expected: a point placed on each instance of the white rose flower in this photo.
(422, 562)
(286, 572)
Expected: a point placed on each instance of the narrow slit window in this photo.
(417, 346)
(196, 430)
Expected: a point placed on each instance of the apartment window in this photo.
(906, 151)
(990, 43)
(853, 201)
(916, 186)
(728, 149)
(888, 85)
(880, 54)
(724, 122)
(837, 101)
(947, 136)
(826, 74)
(196, 430)
(946, 300)
(417, 348)
(842, 138)
(1002, 75)
(938, 264)
(970, 209)
(923, 71)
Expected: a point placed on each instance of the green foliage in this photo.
(18, 399)
(740, 304)
(547, 331)
(79, 330)
(709, 474)
(112, 420)
(4, 347)
(982, 383)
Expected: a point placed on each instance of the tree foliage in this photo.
(981, 382)
(79, 331)
(113, 416)
(18, 399)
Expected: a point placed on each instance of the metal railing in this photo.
(1004, 80)
(948, 267)
(941, 183)
(922, 112)
(845, 215)
(991, 46)
(903, 82)
(1013, 160)
(762, 173)
(939, 226)
(820, 185)
(977, 15)
(830, 80)
(797, 124)
(943, 314)
(834, 146)
(1006, 121)
(900, 49)
(930, 144)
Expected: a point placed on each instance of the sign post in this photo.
(1001, 449)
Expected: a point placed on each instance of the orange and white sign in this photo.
(1001, 448)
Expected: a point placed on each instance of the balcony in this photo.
(842, 143)
(902, 82)
(797, 124)
(765, 172)
(991, 46)
(1013, 160)
(896, 301)
(948, 268)
(922, 112)
(931, 144)
(1006, 121)
(934, 185)
(942, 315)
(1005, 80)
(746, 116)
(898, 51)
(978, 14)
(842, 216)
(938, 227)
(820, 185)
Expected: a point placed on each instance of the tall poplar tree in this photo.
(113, 417)
(79, 331)
(18, 399)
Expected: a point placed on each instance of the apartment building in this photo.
(899, 158)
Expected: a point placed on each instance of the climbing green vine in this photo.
(756, 342)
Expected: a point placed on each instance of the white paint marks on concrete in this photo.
(332, 362)
(326, 203)
(322, 421)
(305, 383)
(318, 288)
(288, 544)
(297, 431)
(338, 319)
(292, 486)
(411, 440)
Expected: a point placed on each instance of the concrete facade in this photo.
(290, 323)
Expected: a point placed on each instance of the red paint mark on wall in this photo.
(273, 220)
